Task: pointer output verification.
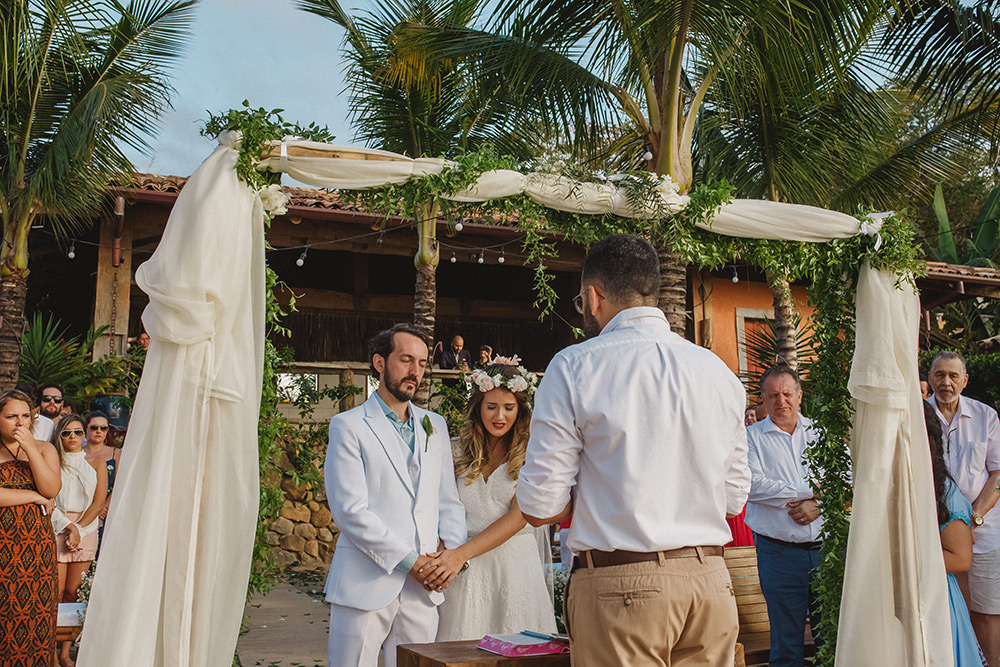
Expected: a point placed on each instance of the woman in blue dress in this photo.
(954, 520)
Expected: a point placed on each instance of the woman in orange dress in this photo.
(29, 480)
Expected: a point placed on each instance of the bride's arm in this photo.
(440, 571)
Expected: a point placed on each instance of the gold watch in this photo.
(977, 518)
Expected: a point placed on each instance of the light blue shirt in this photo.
(405, 431)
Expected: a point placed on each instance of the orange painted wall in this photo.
(722, 298)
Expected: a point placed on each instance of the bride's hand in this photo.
(442, 569)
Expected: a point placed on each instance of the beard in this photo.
(950, 401)
(395, 386)
(51, 414)
(591, 328)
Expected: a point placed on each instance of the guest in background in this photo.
(51, 401)
(101, 445)
(750, 416)
(485, 356)
(41, 426)
(456, 356)
(955, 520)
(78, 506)
(29, 479)
(68, 407)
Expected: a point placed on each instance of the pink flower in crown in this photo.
(507, 361)
(483, 381)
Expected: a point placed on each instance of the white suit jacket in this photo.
(381, 516)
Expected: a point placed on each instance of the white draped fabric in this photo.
(172, 578)
(170, 588)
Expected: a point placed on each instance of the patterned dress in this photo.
(28, 602)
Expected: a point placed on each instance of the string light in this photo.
(302, 258)
(647, 156)
(453, 258)
(500, 259)
(459, 226)
(379, 240)
(72, 250)
(481, 259)
(736, 277)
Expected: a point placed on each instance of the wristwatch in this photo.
(465, 565)
(977, 518)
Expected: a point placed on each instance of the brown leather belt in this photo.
(611, 558)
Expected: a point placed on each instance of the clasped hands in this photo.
(803, 512)
(434, 571)
(72, 537)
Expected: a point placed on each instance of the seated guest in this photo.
(955, 519)
(485, 356)
(456, 356)
(78, 506)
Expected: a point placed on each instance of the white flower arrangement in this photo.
(525, 381)
(667, 186)
(274, 200)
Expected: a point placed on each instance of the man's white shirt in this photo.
(779, 476)
(972, 449)
(645, 429)
(42, 428)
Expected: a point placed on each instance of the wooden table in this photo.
(465, 654)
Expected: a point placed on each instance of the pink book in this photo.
(514, 645)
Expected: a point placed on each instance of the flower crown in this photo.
(524, 381)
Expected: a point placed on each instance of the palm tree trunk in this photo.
(785, 319)
(425, 291)
(13, 293)
(424, 312)
(673, 289)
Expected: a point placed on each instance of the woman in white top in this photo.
(504, 589)
(78, 506)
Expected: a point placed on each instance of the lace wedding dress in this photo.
(504, 590)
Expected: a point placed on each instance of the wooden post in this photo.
(347, 379)
(111, 302)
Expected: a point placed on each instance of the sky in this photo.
(264, 51)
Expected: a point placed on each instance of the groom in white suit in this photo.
(390, 482)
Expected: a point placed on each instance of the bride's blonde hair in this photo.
(474, 455)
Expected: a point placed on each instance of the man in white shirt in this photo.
(784, 514)
(972, 453)
(639, 434)
(390, 482)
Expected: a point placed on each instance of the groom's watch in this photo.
(977, 518)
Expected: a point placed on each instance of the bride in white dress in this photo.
(503, 589)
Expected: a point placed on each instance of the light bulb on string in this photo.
(459, 226)
(500, 259)
(453, 258)
(379, 240)
(647, 156)
(736, 277)
(72, 250)
(480, 259)
(302, 258)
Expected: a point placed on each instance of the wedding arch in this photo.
(170, 589)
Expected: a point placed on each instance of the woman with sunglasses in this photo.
(29, 479)
(100, 444)
(78, 506)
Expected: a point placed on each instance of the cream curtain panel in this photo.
(169, 591)
(172, 578)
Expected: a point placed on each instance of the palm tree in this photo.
(643, 66)
(79, 80)
(808, 135)
(418, 105)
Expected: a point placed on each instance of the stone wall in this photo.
(303, 535)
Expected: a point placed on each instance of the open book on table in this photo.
(518, 644)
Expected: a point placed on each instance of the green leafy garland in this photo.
(831, 267)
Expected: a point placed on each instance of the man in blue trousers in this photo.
(784, 514)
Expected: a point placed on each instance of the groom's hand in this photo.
(443, 568)
(420, 570)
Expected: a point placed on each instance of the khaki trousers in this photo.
(678, 612)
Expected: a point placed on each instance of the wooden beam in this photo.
(402, 305)
(113, 290)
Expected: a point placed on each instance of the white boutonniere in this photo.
(428, 429)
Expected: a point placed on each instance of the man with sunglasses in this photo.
(51, 401)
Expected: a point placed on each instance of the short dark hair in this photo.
(51, 385)
(626, 266)
(384, 342)
(780, 369)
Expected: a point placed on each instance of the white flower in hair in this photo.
(483, 381)
(517, 384)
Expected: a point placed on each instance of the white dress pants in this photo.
(356, 634)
